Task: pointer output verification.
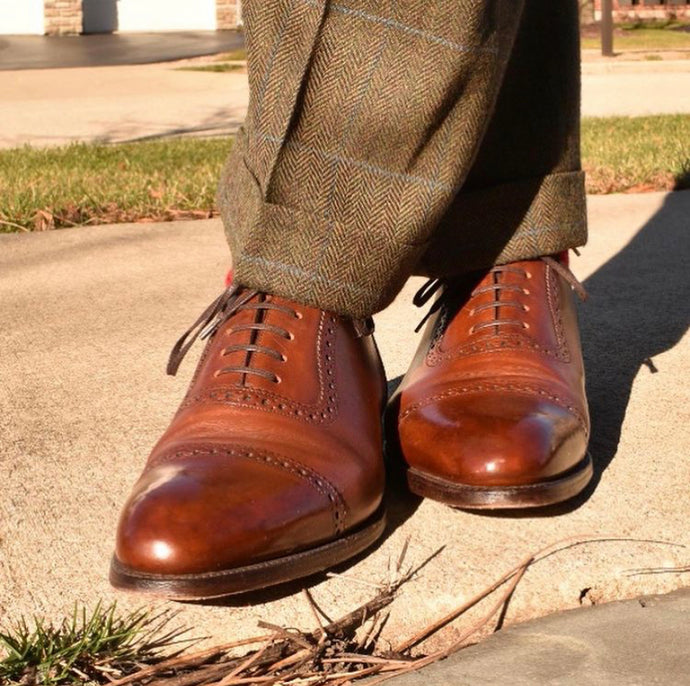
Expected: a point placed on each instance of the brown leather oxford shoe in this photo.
(272, 468)
(492, 413)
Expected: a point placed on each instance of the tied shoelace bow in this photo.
(453, 287)
(230, 302)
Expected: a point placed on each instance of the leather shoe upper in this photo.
(495, 395)
(275, 448)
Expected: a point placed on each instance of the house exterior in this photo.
(645, 9)
(59, 17)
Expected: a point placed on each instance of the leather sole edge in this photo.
(466, 496)
(217, 584)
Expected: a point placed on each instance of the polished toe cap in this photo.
(492, 440)
(218, 510)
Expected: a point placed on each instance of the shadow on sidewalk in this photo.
(637, 309)
(223, 121)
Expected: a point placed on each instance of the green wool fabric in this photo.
(388, 138)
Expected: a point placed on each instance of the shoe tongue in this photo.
(270, 318)
(240, 337)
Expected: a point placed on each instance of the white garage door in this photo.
(148, 15)
(21, 16)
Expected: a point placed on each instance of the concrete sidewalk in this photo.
(89, 315)
(98, 50)
(117, 104)
(633, 643)
(635, 88)
(114, 104)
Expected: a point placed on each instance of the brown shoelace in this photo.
(456, 288)
(233, 300)
(236, 299)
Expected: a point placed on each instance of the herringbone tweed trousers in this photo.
(387, 138)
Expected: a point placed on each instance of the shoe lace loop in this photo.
(425, 293)
(452, 287)
(233, 300)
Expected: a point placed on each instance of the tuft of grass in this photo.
(86, 648)
(239, 55)
(162, 180)
(660, 24)
(218, 67)
(628, 154)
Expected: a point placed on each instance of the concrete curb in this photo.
(633, 643)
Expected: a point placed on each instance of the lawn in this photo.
(234, 60)
(630, 154)
(171, 179)
(663, 36)
(45, 188)
(218, 67)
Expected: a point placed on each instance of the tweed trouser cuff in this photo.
(526, 219)
(385, 139)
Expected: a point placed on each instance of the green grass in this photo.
(219, 67)
(156, 180)
(239, 55)
(666, 36)
(177, 178)
(636, 153)
(87, 648)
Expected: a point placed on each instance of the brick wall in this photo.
(228, 14)
(62, 16)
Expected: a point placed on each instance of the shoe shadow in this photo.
(637, 309)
